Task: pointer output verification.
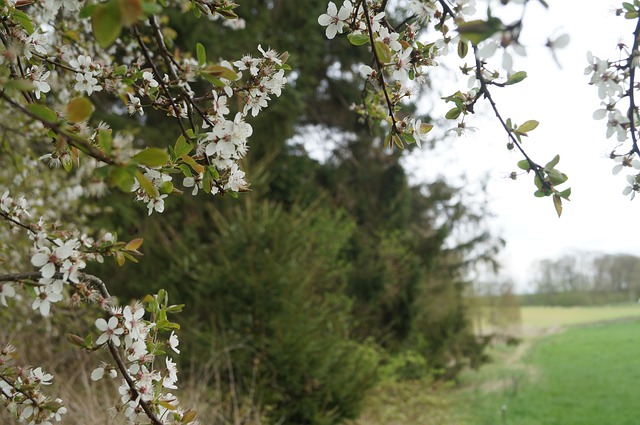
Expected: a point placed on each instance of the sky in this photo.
(598, 218)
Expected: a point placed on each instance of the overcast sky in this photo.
(599, 217)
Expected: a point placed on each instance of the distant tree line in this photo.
(585, 278)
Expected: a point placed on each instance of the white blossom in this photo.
(110, 330)
(335, 20)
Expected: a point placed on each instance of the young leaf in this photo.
(152, 157)
(463, 49)
(122, 178)
(201, 53)
(79, 109)
(24, 20)
(130, 11)
(133, 245)
(552, 163)
(383, 51)
(453, 114)
(565, 194)
(516, 78)
(358, 39)
(478, 30)
(106, 22)
(220, 72)
(524, 165)
(146, 185)
(527, 126)
(42, 112)
(182, 147)
(105, 140)
(557, 203)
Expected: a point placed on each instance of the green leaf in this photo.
(87, 11)
(149, 9)
(130, 11)
(24, 20)
(105, 140)
(538, 182)
(152, 157)
(408, 137)
(20, 85)
(387, 140)
(167, 187)
(79, 109)
(182, 147)
(193, 164)
(134, 244)
(220, 72)
(201, 54)
(631, 15)
(122, 177)
(552, 163)
(524, 165)
(188, 416)
(463, 49)
(565, 194)
(527, 126)
(67, 166)
(106, 21)
(383, 51)
(358, 39)
(516, 78)
(557, 178)
(425, 128)
(227, 13)
(42, 112)
(213, 172)
(121, 70)
(146, 185)
(213, 80)
(398, 141)
(478, 30)
(453, 114)
(557, 203)
(628, 7)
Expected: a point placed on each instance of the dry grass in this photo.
(42, 343)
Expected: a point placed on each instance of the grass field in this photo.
(565, 316)
(575, 366)
(583, 375)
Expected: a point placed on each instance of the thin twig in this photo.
(380, 67)
(484, 91)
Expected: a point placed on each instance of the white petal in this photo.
(101, 324)
(97, 374)
(599, 114)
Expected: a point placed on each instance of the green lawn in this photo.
(584, 375)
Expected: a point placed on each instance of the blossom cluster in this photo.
(405, 56)
(127, 328)
(61, 79)
(21, 389)
(133, 341)
(616, 85)
(60, 61)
